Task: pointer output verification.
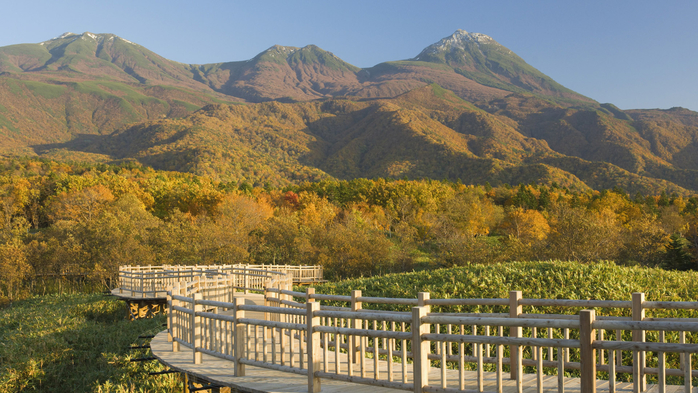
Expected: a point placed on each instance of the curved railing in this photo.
(153, 281)
(294, 332)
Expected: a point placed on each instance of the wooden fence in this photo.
(153, 281)
(293, 332)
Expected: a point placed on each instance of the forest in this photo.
(59, 220)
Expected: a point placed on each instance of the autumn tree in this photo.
(583, 235)
(349, 248)
(14, 268)
(119, 235)
(81, 206)
(526, 225)
(176, 240)
(227, 233)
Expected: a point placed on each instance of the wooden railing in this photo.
(153, 281)
(293, 332)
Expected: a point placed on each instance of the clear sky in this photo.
(634, 54)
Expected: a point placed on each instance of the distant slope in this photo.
(34, 113)
(95, 83)
(428, 132)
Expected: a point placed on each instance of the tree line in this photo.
(59, 218)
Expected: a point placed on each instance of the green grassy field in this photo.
(76, 343)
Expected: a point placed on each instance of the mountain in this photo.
(85, 84)
(472, 65)
(428, 132)
(464, 108)
(95, 55)
(74, 85)
(281, 73)
(482, 59)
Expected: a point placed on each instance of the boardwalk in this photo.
(258, 379)
(220, 331)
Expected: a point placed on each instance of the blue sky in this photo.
(634, 54)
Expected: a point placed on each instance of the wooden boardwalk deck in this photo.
(258, 379)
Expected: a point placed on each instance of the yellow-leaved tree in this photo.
(526, 225)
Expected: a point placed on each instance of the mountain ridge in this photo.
(316, 73)
(464, 108)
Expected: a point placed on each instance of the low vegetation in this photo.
(540, 280)
(537, 280)
(76, 343)
(79, 342)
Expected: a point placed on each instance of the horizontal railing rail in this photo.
(153, 282)
(397, 349)
(328, 336)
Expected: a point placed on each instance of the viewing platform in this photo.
(280, 340)
(144, 288)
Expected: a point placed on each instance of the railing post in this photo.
(420, 349)
(639, 379)
(169, 316)
(267, 284)
(196, 327)
(175, 343)
(231, 287)
(309, 292)
(422, 298)
(246, 280)
(587, 353)
(313, 342)
(515, 355)
(354, 340)
(239, 341)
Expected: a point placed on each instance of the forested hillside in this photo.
(59, 218)
(425, 133)
(464, 108)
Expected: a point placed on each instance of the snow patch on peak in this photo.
(60, 37)
(457, 40)
(283, 49)
(94, 37)
(125, 40)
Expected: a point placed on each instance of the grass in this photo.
(98, 88)
(188, 106)
(6, 123)
(76, 343)
(45, 90)
(313, 54)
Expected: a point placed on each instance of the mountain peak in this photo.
(86, 36)
(280, 49)
(458, 40)
(64, 35)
